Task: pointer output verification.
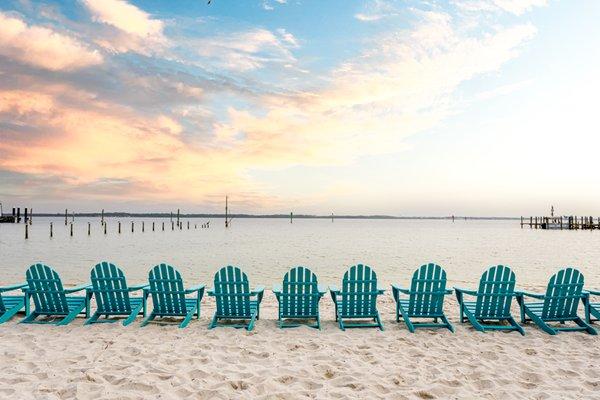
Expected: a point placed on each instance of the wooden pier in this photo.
(562, 222)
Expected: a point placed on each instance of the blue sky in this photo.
(477, 107)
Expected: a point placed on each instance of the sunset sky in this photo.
(476, 107)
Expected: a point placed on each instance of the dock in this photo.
(562, 222)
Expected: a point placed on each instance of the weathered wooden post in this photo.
(119, 226)
(51, 229)
(30, 216)
(181, 225)
(66, 216)
(291, 217)
(105, 227)
(102, 220)
(143, 228)
(332, 217)
(71, 229)
(226, 212)
(521, 222)
(18, 214)
(26, 231)
(178, 216)
(131, 226)
(163, 226)
(195, 226)
(152, 226)
(172, 225)
(188, 225)
(25, 219)
(89, 229)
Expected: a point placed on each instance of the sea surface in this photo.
(267, 248)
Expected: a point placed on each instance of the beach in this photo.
(110, 361)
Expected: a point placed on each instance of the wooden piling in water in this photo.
(163, 226)
(143, 229)
(26, 231)
(51, 230)
(188, 223)
(119, 226)
(66, 213)
(105, 227)
(30, 216)
(178, 216)
(226, 212)
(131, 226)
(152, 226)
(71, 229)
(291, 217)
(172, 225)
(89, 229)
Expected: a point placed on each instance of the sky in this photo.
(400, 107)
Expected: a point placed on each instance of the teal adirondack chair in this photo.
(168, 295)
(592, 309)
(358, 298)
(50, 298)
(425, 298)
(235, 300)
(10, 305)
(559, 304)
(298, 297)
(493, 300)
(110, 289)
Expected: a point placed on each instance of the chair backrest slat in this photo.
(46, 290)
(167, 290)
(359, 292)
(232, 292)
(495, 293)
(110, 288)
(300, 293)
(428, 289)
(563, 294)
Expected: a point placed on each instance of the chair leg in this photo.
(30, 318)
(10, 312)
(408, 323)
(518, 327)
(539, 322)
(318, 322)
(378, 319)
(148, 319)
(474, 321)
(188, 318)
(585, 325)
(213, 323)
(92, 319)
(71, 316)
(253, 318)
(447, 323)
(133, 315)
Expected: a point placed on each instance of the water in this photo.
(267, 248)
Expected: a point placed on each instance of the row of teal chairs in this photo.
(298, 297)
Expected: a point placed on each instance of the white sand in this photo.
(115, 362)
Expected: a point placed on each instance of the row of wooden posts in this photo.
(569, 223)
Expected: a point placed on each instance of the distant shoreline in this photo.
(265, 216)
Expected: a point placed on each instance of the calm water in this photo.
(267, 248)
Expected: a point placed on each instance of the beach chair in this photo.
(425, 298)
(358, 298)
(492, 301)
(110, 289)
(298, 297)
(235, 300)
(10, 305)
(592, 309)
(168, 296)
(50, 298)
(559, 304)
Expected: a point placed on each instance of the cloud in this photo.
(248, 50)
(135, 29)
(376, 10)
(517, 7)
(43, 47)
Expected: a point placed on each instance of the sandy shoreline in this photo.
(115, 362)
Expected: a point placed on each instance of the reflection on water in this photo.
(266, 248)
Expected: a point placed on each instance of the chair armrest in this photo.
(333, 289)
(522, 293)
(398, 288)
(258, 290)
(277, 289)
(78, 288)
(380, 290)
(465, 291)
(13, 287)
(194, 289)
(593, 292)
(322, 289)
(449, 291)
(138, 287)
